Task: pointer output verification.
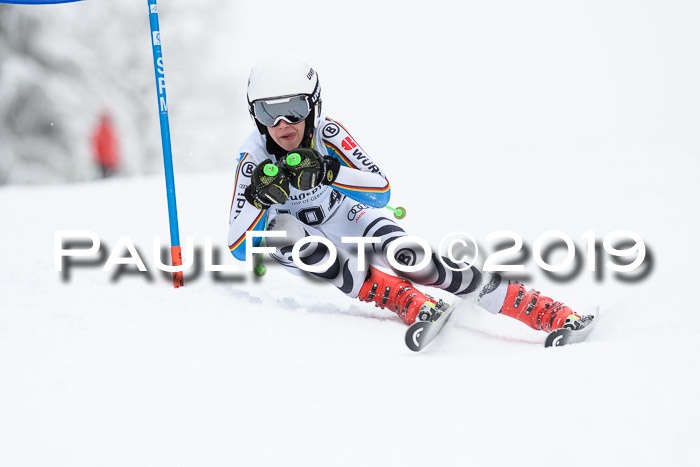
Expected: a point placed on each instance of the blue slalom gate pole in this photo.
(175, 251)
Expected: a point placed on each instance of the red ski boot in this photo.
(396, 294)
(537, 311)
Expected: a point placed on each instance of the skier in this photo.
(303, 173)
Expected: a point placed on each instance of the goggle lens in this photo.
(290, 109)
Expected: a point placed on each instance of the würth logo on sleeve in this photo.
(349, 144)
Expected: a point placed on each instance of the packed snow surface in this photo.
(104, 370)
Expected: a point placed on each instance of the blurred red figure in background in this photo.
(104, 146)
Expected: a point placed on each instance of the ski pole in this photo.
(175, 251)
(260, 269)
(399, 211)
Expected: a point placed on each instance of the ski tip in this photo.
(415, 335)
(558, 338)
(564, 336)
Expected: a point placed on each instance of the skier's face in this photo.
(288, 136)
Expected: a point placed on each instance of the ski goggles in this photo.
(292, 110)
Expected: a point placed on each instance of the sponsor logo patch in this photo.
(331, 130)
(349, 144)
(247, 169)
(355, 210)
(406, 256)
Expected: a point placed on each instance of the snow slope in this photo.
(285, 371)
(556, 115)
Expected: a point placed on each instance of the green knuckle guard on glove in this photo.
(268, 186)
(302, 168)
(306, 168)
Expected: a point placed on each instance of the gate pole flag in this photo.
(38, 2)
(175, 250)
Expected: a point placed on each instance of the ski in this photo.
(565, 336)
(428, 326)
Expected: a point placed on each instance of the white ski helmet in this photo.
(277, 78)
